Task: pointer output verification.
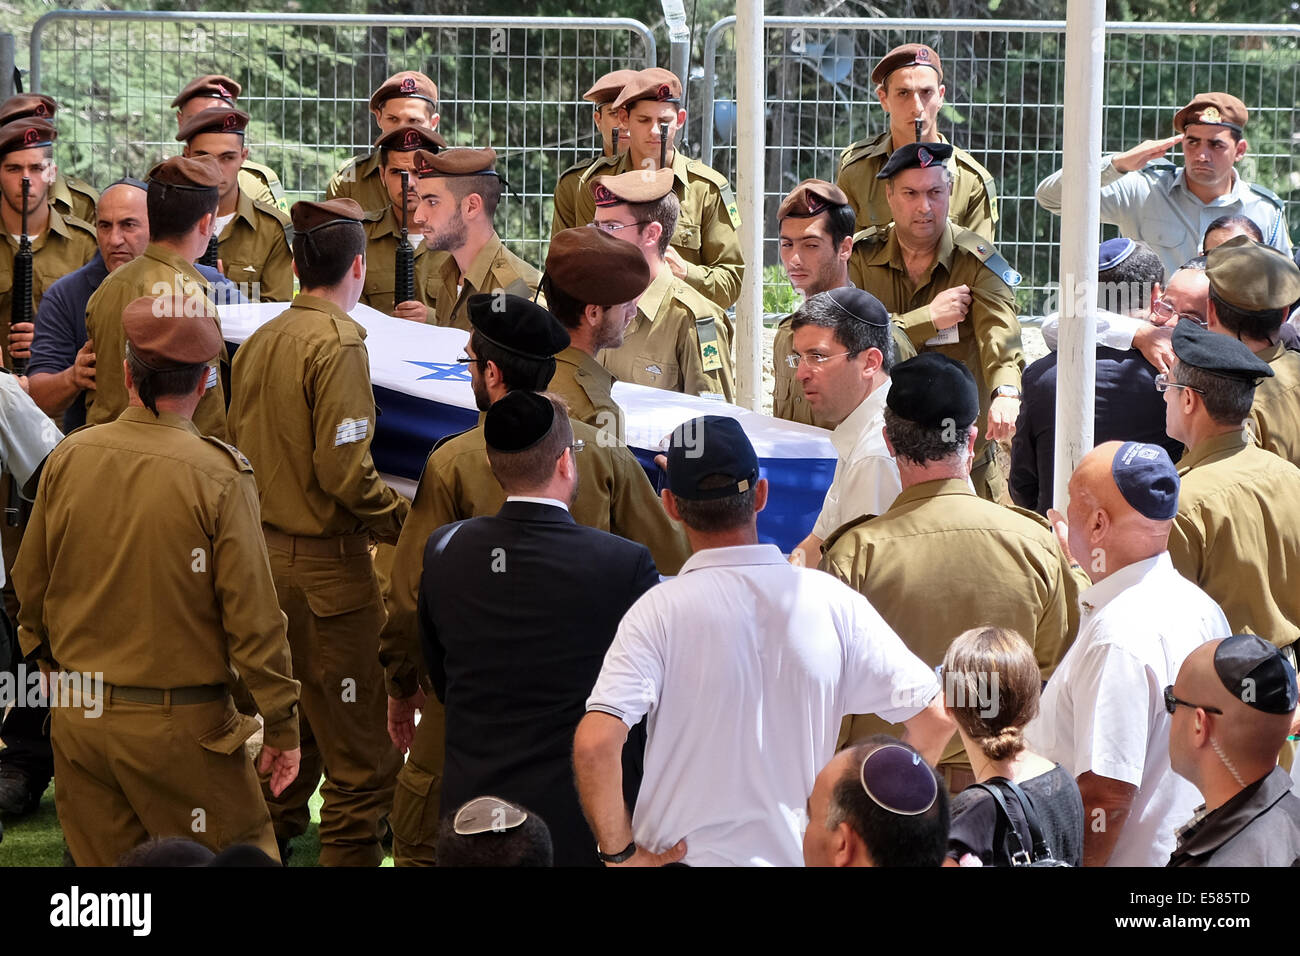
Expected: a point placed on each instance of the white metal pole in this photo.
(751, 100)
(1076, 375)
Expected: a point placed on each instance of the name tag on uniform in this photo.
(710, 353)
(350, 430)
(948, 336)
(212, 377)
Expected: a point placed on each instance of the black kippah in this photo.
(518, 421)
(1256, 673)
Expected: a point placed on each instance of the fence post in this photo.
(751, 100)
(6, 65)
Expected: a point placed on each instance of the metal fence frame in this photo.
(1030, 297)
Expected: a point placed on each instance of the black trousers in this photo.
(25, 731)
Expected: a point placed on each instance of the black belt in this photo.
(201, 694)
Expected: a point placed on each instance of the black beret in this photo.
(520, 326)
(933, 390)
(711, 445)
(518, 421)
(1254, 671)
(1217, 353)
(915, 156)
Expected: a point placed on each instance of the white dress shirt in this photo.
(866, 477)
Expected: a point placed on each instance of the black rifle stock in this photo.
(404, 268)
(22, 289)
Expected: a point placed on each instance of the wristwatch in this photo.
(1006, 391)
(621, 857)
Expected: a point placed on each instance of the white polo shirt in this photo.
(27, 434)
(1104, 711)
(746, 666)
(866, 477)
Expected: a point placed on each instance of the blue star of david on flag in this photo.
(443, 371)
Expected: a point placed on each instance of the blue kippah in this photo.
(1113, 252)
(1147, 478)
(897, 779)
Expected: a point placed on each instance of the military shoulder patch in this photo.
(870, 234)
(241, 463)
(710, 348)
(729, 200)
(1267, 194)
(983, 250)
(603, 166)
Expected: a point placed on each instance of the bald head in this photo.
(1249, 736)
(1107, 532)
(1188, 292)
(121, 224)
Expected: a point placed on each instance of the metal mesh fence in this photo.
(513, 84)
(1005, 86)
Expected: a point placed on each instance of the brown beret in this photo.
(225, 119)
(164, 332)
(405, 85)
(652, 84)
(26, 134)
(213, 86)
(27, 105)
(1251, 276)
(638, 185)
(810, 198)
(909, 54)
(461, 161)
(198, 172)
(595, 268)
(1213, 109)
(308, 216)
(407, 139)
(607, 88)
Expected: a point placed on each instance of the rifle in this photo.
(918, 129)
(404, 269)
(663, 145)
(22, 289)
(210, 255)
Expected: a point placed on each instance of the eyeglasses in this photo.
(1165, 311)
(613, 227)
(465, 358)
(1163, 384)
(1172, 702)
(794, 359)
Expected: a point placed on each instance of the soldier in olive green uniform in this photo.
(1252, 289)
(60, 244)
(302, 410)
(906, 86)
(404, 99)
(182, 215)
(705, 243)
(72, 197)
(954, 297)
(508, 349)
(459, 191)
(260, 183)
(253, 238)
(384, 231)
(941, 560)
(679, 340)
(176, 597)
(613, 140)
(591, 283)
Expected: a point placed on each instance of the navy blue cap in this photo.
(708, 446)
(1220, 354)
(933, 390)
(517, 325)
(915, 156)
(856, 304)
(1114, 251)
(518, 421)
(1147, 478)
(1255, 671)
(899, 780)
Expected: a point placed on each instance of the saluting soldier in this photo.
(512, 346)
(182, 206)
(404, 99)
(69, 195)
(60, 243)
(303, 411)
(909, 85)
(253, 237)
(214, 91)
(613, 141)
(459, 191)
(591, 283)
(950, 291)
(175, 599)
(679, 340)
(384, 229)
(705, 243)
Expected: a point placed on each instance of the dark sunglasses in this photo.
(1171, 702)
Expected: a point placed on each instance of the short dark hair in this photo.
(664, 211)
(528, 844)
(715, 515)
(853, 334)
(167, 851)
(841, 223)
(1253, 325)
(892, 839)
(1244, 223)
(488, 187)
(151, 385)
(562, 305)
(517, 372)
(324, 256)
(920, 443)
(1227, 400)
(1129, 286)
(520, 471)
(175, 210)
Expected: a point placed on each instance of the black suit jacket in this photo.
(516, 614)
